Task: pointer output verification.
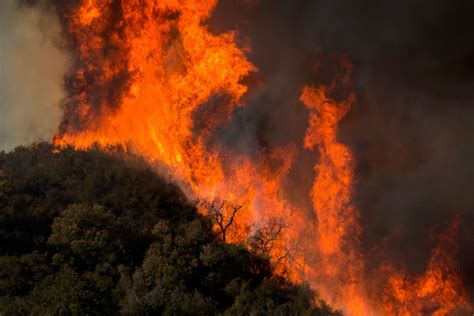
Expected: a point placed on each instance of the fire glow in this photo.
(144, 78)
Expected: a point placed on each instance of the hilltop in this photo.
(90, 232)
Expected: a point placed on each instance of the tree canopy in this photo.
(91, 232)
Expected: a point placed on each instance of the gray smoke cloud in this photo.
(31, 73)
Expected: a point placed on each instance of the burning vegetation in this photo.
(151, 77)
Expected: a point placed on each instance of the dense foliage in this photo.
(86, 232)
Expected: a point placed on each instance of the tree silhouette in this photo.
(223, 214)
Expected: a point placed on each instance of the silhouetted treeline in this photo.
(88, 232)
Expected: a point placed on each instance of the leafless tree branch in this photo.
(223, 214)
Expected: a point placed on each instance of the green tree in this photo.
(88, 233)
(68, 293)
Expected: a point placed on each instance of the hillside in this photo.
(86, 232)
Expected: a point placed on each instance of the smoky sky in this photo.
(32, 66)
(411, 128)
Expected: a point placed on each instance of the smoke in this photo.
(32, 66)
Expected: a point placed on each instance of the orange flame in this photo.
(175, 65)
(438, 291)
(341, 266)
(153, 79)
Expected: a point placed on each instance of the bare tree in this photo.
(266, 237)
(271, 241)
(223, 214)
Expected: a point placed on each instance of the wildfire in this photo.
(151, 77)
(168, 68)
(174, 66)
(341, 267)
(438, 291)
